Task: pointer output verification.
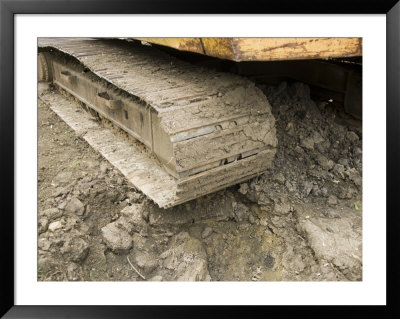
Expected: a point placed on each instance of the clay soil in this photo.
(300, 221)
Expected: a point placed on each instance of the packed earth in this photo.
(300, 221)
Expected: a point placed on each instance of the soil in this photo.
(300, 221)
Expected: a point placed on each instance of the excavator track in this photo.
(207, 130)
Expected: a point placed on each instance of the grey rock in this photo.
(52, 213)
(318, 138)
(134, 197)
(252, 219)
(307, 188)
(344, 161)
(352, 137)
(62, 205)
(124, 224)
(338, 169)
(290, 129)
(357, 151)
(282, 209)
(187, 258)
(263, 199)
(103, 167)
(240, 211)
(54, 226)
(332, 200)
(331, 213)
(156, 278)
(206, 232)
(43, 223)
(117, 239)
(299, 150)
(145, 261)
(46, 265)
(244, 187)
(354, 176)
(134, 216)
(75, 206)
(325, 162)
(279, 178)
(307, 143)
(75, 249)
(62, 178)
(72, 272)
(44, 244)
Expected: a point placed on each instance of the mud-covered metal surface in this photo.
(300, 221)
(265, 49)
(209, 130)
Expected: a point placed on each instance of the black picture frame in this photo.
(8, 10)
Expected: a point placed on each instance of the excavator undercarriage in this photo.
(199, 130)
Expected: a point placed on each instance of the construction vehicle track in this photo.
(209, 130)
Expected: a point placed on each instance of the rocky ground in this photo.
(301, 220)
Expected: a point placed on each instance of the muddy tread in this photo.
(210, 117)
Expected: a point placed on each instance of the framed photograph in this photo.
(162, 155)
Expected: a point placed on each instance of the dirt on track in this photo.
(301, 220)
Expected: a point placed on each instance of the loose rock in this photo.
(117, 239)
(55, 225)
(75, 206)
(75, 249)
(206, 232)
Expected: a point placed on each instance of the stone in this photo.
(357, 151)
(352, 137)
(75, 206)
(252, 219)
(72, 270)
(133, 216)
(75, 249)
(354, 176)
(241, 212)
(308, 143)
(117, 239)
(325, 162)
(279, 178)
(145, 261)
(306, 189)
(243, 188)
(331, 213)
(52, 213)
(338, 169)
(62, 178)
(187, 258)
(344, 162)
(282, 209)
(43, 223)
(318, 138)
(103, 167)
(299, 150)
(134, 197)
(124, 224)
(206, 232)
(44, 244)
(156, 278)
(62, 205)
(332, 200)
(54, 226)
